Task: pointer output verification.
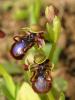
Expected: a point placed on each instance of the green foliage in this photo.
(62, 96)
(54, 53)
(34, 10)
(7, 6)
(12, 67)
(10, 86)
(48, 96)
(20, 14)
(27, 93)
(7, 92)
(59, 84)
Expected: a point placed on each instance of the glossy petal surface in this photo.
(17, 50)
(41, 85)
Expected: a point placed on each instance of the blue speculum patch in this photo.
(18, 48)
(41, 84)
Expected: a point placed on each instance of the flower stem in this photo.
(52, 51)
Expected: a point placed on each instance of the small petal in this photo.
(49, 13)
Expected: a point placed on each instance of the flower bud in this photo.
(50, 13)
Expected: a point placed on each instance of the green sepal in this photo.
(50, 35)
(56, 28)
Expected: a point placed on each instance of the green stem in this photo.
(35, 12)
(50, 96)
(32, 16)
(52, 51)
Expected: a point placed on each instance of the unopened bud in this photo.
(50, 13)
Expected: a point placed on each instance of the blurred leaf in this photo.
(62, 96)
(17, 89)
(32, 16)
(7, 92)
(8, 81)
(43, 96)
(54, 53)
(12, 67)
(37, 7)
(51, 53)
(56, 28)
(27, 93)
(20, 14)
(35, 12)
(50, 95)
(54, 92)
(47, 96)
(1, 91)
(7, 5)
(60, 84)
